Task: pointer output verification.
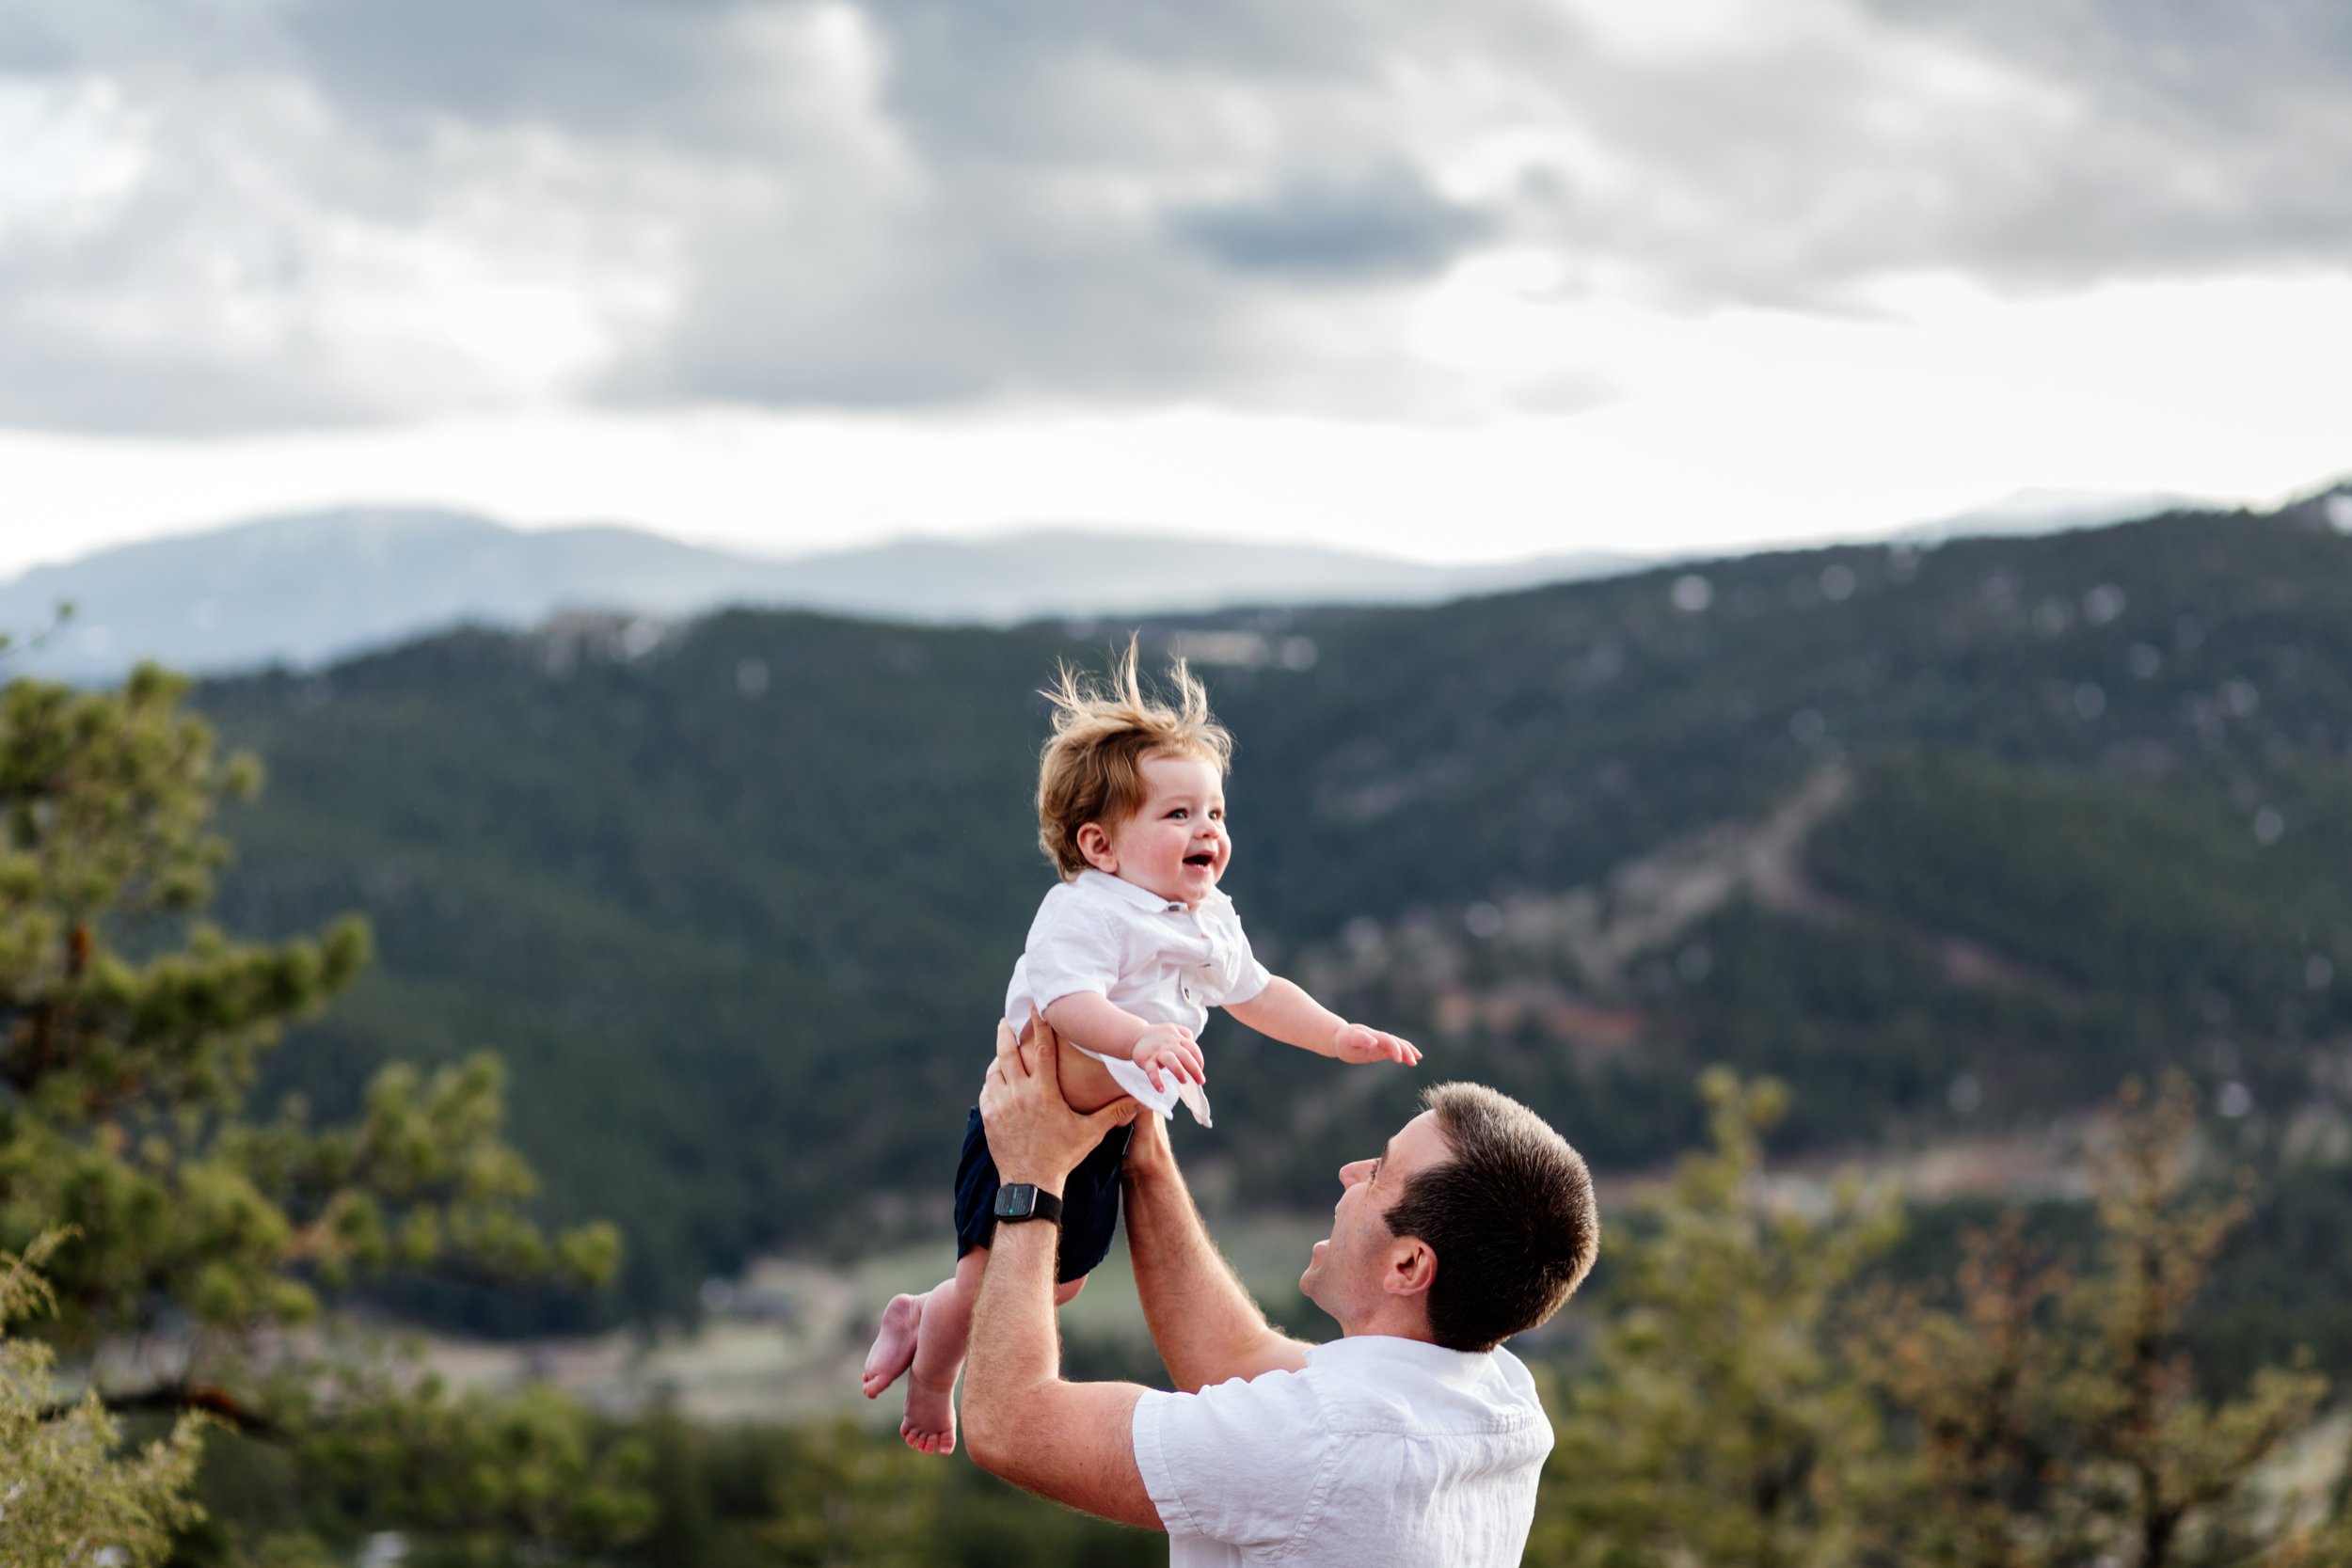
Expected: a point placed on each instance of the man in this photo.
(1413, 1439)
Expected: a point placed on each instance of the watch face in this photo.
(1016, 1200)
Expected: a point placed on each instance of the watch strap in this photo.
(1021, 1200)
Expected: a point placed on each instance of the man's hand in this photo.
(1169, 1048)
(1033, 1135)
(1353, 1043)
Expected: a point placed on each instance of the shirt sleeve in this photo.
(1071, 948)
(1246, 1463)
(1244, 975)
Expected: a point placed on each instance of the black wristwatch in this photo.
(1021, 1200)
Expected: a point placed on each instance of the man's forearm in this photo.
(1064, 1441)
(1016, 1346)
(1201, 1318)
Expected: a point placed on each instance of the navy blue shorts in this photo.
(1089, 1200)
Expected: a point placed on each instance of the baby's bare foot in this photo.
(930, 1423)
(894, 1344)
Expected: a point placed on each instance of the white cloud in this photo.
(73, 150)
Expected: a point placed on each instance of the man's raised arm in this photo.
(1203, 1319)
(1072, 1442)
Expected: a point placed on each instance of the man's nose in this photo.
(1353, 1171)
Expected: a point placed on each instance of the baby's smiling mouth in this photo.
(1203, 861)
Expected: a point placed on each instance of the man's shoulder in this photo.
(1370, 1453)
(1375, 1382)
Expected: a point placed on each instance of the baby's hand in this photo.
(1353, 1043)
(1169, 1047)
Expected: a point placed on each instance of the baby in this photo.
(1124, 959)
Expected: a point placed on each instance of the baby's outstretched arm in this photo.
(1284, 1012)
(1095, 1021)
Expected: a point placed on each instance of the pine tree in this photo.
(1722, 1422)
(68, 1493)
(130, 1029)
(2059, 1418)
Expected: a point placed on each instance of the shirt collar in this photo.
(1102, 884)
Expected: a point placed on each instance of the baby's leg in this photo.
(936, 1328)
(930, 1423)
(893, 1350)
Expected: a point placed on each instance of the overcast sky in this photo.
(1465, 280)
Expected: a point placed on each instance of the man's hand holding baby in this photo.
(1169, 1048)
(1354, 1042)
(1033, 1135)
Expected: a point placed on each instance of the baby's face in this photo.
(1175, 844)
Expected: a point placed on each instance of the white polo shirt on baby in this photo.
(1381, 1453)
(1161, 961)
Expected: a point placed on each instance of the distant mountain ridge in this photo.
(308, 589)
(1947, 838)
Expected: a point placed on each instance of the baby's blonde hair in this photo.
(1090, 770)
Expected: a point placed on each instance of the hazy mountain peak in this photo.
(307, 588)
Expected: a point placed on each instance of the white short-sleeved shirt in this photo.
(1161, 961)
(1381, 1453)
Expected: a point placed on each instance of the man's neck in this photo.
(1392, 1320)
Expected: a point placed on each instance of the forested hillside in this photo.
(1952, 838)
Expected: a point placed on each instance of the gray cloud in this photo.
(303, 211)
(1385, 224)
(2204, 138)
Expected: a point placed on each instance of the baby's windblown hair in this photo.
(1090, 771)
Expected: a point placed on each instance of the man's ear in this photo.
(1094, 843)
(1412, 1267)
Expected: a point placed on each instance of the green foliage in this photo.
(474, 1475)
(129, 1031)
(2158, 1451)
(2057, 1407)
(124, 1072)
(69, 1494)
(1719, 1421)
(1754, 1396)
(822, 1495)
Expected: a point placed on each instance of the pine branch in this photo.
(172, 1399)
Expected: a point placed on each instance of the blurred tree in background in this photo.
(2058, 1410)
(68, 1493)
(1719, 1421)
(200, 1242)
(1754, 1397)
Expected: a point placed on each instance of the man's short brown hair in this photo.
(1511, 1217)
(1090, 770)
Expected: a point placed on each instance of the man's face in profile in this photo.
(1345, 1273)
